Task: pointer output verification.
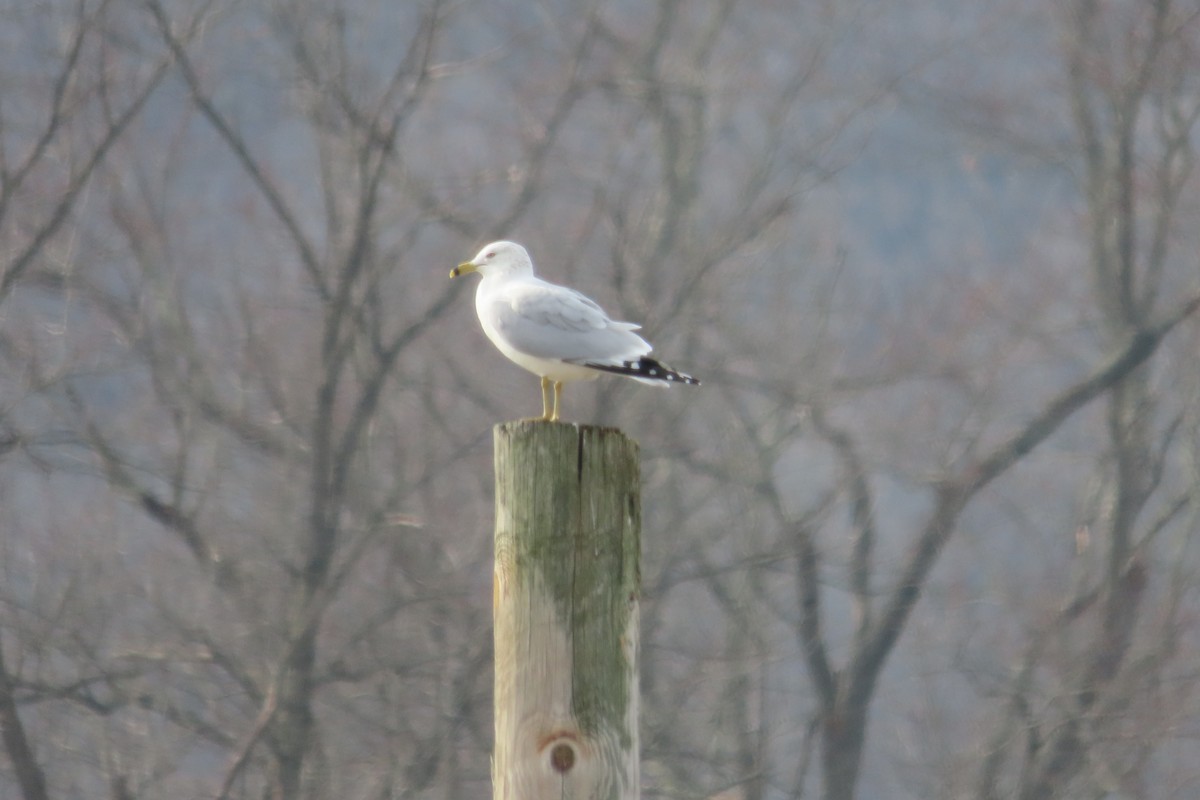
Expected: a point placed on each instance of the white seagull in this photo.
(553, 331)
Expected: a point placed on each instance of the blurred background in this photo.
(928, 530)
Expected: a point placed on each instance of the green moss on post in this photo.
(568, 521)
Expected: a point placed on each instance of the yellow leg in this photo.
(557, 394)
(547, 414)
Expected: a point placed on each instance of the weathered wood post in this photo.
(567, 578)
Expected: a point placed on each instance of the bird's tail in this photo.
(646, 370)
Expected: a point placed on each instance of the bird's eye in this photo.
(491, 254)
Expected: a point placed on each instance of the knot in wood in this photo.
(562, 757)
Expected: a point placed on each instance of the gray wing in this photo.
(548, 321)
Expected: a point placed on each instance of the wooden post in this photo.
(567, 579)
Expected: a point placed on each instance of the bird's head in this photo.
(498, 258)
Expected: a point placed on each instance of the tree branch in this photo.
(812, 641)
(862, 518)
(953, 494)
(308, 255)
(16, 742)
(62, 209)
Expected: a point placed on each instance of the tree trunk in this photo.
(841, 752)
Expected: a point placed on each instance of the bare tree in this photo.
(342, 515)
(252, 526)
(59, 122)
(1134, 117)
(845, 656)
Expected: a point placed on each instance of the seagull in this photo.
(554, 331)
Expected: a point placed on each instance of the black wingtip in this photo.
(646, 368)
